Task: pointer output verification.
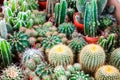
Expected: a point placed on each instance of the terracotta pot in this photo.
(78, 25)
(90, 40)
(42, 4)
(116, 3)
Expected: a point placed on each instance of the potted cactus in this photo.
(91, 22)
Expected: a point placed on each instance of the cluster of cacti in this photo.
(76, 44)
(66, 28)
(19, 41)
(60, 55)
(5, 53)
(38, 17)
(91, 18)
(91, 57)
(115, 58)
(60, 12)
(107, 72)
(12, 73)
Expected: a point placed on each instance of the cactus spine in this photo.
(60, 55)
(107, 72)
(5, 52)
(60, 12)
(91, 18)
(91, 57)
(115, 58)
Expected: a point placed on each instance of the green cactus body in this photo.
(5, 52)
(36, 78)
(107, 72)
(70, 68)
(60, 12)
(71, 4)
(30, 64)
(59, 71)
(19, 41)
(60, 55)
(67, 28)
(32, 4)
(42, 31)
(44, 69)
(76, 44)
(33, 54)
(115, 58)
(77, 67)
(63, 77)
(70, 13)
(91, 57)
(12, 73)
(51, 41)
(79, 76)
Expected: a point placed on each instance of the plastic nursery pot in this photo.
(42, 3)
(90, 40)
(77, 24)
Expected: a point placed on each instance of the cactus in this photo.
(33, 54)
(60, 55)
(107, 43)
(91, 57)
(70, 68)
(77, 67)
(60, 12)
(30, 64)
(59, 71)
(70, 13)
(32, 4)
(91, 19)
(5, 52)
(12, 73)
(79, 76)
(19, 41)
(67, 28)
(51, 41)
(44, 69)
(76, 44)
(35, 78)
(63, 77)
(3, 29)
(115, 58)
(38, 17)
(107, 72)
(71, 4)
(48, 24)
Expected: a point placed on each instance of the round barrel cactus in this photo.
(115, 58)
(60, 55)
(91, 57)
(107, 72)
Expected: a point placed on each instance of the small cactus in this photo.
(30, 64)
(77, 67)
(115, 58)
(76, 44)
(107, 72)
(60, 55)
(12, 73)
(91, 57)
(67, 28)
(59, 70)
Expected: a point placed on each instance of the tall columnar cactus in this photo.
(67, 28)
(43, 70)
(91, 57)
(19, 41)
(60, 12)
(12, 73)
(5, 52)
(51, 41)
(115, 58)
(3, 29)
(91, 19)
(76, 44)
(107, 72)
(60, 55)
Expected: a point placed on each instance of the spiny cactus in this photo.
(60, 55)
(48, 24)
(30, 64)
(12, 73)
(50, 41)
(77, 66)
(91, 57)
(19, 41)
(38, 17)
(91, 18)
(115, 58)
(3, 29)
(59, 71)
(71, 4)
(5, 52)
(63, 77)
(33, 54)
(67, 28)
(32, 4)
(60, 12)
(70, 13)
(76, 44)
(44, 69)
(107, 72)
